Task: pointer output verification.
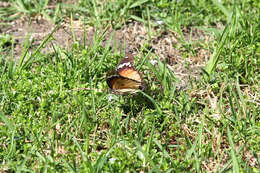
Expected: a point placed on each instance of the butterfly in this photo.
(127, 79)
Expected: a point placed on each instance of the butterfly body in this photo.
(127, 79)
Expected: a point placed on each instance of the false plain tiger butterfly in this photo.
(127, 79)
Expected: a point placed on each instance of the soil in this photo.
(129, 38)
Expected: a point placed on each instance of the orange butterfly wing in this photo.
(127, 70)
(128, 79)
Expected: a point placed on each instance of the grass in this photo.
(49, 123)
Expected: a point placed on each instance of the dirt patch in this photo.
(167, 47)
(37, 31)
(131, 38)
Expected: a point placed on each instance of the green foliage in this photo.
(21, 8)
(5, 41)
(57, 115)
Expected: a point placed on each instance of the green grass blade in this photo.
(153, 101)
(235, 164)
(227, 12)
(211, 65)
(30, 60)
(241, 98)
(198, 138)
(138, 3)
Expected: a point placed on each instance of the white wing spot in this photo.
(125, 64)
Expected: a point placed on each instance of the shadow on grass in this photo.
(140, 101)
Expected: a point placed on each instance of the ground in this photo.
(130, 38)
(186, 55)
